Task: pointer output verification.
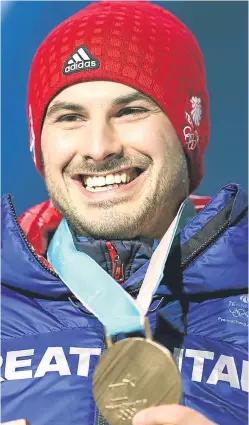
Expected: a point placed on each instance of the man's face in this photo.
(113, 164)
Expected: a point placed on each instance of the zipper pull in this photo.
(117, 265)
(118, 272)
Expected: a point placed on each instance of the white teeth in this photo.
(101, 181)
(110, 179)
(123, 177)
(95, 181)
(88, 181)
(101, 189)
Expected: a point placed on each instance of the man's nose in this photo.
(101, 142)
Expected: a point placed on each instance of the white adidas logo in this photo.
(81, 59)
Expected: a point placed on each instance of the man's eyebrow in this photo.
(131, 97)
(58, 106)
(76, 107)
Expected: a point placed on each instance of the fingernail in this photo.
(139, 419)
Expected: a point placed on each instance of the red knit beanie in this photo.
(135, 43)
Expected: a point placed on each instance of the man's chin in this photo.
(102, 225)
(105, 230)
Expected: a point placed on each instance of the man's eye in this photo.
(69, 118)
(131, 111)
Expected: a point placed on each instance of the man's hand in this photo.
(170, 415)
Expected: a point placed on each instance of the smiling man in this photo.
(119, 122)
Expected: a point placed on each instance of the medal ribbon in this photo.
(98, 291)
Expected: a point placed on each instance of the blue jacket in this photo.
(51, 343)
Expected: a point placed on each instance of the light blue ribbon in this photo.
(93, 286)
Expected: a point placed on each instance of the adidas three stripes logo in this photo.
(80, 60)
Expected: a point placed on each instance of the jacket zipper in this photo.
(201, 247)
(30, 247)
(117, 265)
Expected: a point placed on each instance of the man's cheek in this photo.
(58, 148)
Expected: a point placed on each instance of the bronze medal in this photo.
(133, 374)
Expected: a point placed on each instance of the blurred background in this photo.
(221, 28)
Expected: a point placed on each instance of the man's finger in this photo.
(170, 415)
(16, 422)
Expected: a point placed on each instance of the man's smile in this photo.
(102, 182)
(116, 183)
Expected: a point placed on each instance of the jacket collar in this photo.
(120, 258)
(24, 272)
